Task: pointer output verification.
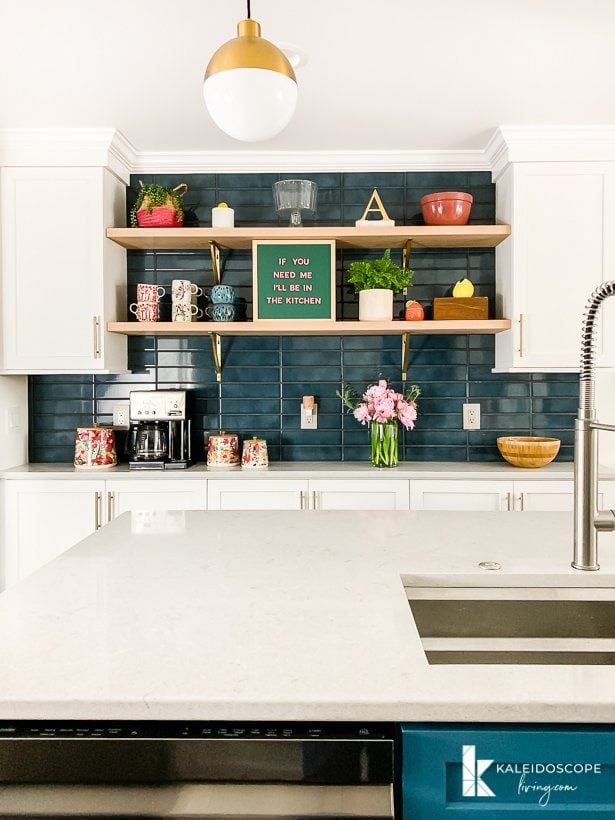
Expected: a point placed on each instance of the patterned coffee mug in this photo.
(145, 311)
(183, 290)
(185, 312)
(221, 312)
(222, 293)
(149, 293)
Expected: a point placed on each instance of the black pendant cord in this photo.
(249, 16)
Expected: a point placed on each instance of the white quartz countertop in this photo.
(312, 469)
(283, 616)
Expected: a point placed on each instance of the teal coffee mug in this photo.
(222, 294)
(221, 312)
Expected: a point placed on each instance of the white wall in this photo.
(13, 421)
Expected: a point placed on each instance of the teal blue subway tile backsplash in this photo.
(264, 378)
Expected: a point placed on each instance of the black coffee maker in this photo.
(160, 435)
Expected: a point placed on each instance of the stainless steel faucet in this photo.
(588, 519)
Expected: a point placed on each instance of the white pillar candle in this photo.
(222, 217)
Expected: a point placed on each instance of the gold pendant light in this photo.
(250, 87)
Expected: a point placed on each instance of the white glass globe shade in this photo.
(250, 104)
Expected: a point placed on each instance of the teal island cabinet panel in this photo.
(507, 771)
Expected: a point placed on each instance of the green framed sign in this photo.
(293, 280)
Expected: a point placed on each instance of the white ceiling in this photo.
(385, 75)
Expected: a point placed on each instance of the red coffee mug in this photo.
(145, 311)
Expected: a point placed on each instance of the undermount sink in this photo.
(508, 625)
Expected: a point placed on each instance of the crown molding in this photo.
(307, 161)
(76, 147)
(107, 147)
(566, 143)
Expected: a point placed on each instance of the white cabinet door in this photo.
(606, 495)
(146, 494)
(256, 494)
(359, 494)
(541, 495)
(62, 279)
(461, 495)
(560, 249)
(42, 519)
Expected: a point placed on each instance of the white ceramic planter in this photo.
(376, 305)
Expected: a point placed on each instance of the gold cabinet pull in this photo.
(522, 501)
(522, 334)
(509, 501)
(303, 497)
(97, 510)
(96, 326)
(315, 499)
(110, 506)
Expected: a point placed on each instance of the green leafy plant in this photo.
(379, 273)
(151, 196)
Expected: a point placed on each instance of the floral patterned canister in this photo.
(254, 455)
(95, 448)
(223, 450)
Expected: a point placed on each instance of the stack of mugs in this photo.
(146, 308)
(222, 308)
(183, 308)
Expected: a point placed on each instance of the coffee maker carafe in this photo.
(160, 435)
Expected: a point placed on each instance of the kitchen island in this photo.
(277, 615)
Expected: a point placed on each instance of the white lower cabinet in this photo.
(531, 495)
(252, 494)
(44, 518)
(154, 494)
(313, 494)
(359, 494)
(460, 495)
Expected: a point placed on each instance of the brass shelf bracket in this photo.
(216, 352)
(214, 250)
(405, 354)
(405, 256)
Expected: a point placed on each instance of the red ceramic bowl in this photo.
(446, 208)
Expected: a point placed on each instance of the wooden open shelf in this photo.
(308, 327)
(420, 236)
(406, 237)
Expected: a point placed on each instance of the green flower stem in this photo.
(384, 443)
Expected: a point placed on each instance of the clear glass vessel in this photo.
(295, 197)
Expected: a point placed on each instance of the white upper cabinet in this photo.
(62, 279)
(561, 248)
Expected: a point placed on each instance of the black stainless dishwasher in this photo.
(54, 769)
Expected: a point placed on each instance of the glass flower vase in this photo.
(385, 448)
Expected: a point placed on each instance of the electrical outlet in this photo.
(120, 415)
(309, 422)
(471, 416)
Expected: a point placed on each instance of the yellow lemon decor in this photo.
(463, 289)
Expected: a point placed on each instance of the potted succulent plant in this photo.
(158, 207)
(375, 281)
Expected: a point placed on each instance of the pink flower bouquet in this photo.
(383, 408)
